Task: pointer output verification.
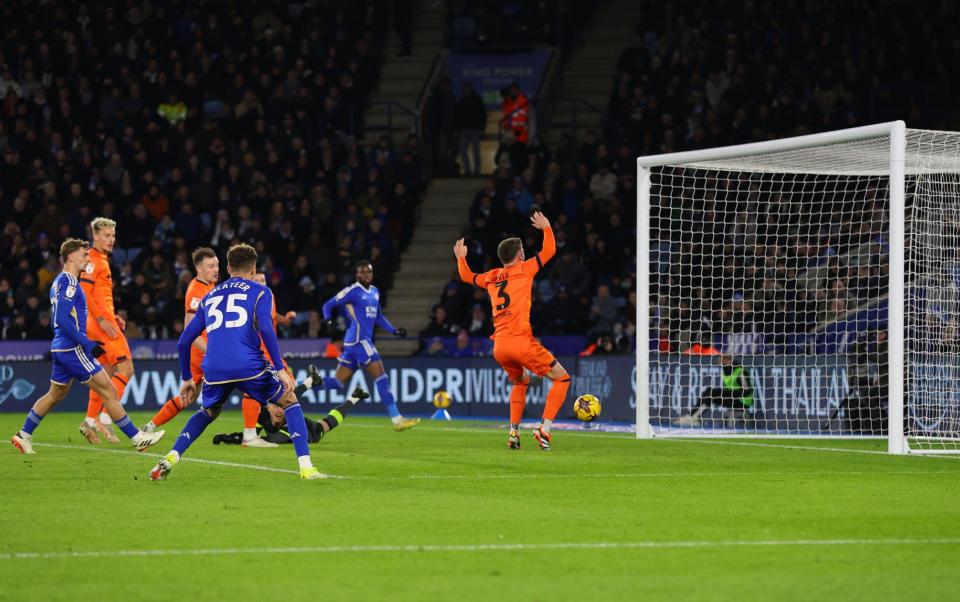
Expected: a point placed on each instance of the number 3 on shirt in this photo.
(502, 294)
(213, 310)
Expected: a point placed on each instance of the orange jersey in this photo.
(273, 312)
(509, 289)
(196, 291)
(97, 284)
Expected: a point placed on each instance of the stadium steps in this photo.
(591, 69)
(402, 78)
(428, 263)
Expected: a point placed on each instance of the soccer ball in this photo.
(441, 400)
(587, 408)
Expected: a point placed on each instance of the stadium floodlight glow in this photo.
(803, 287)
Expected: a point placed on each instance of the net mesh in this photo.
(769, 287)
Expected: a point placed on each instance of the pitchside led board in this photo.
(787, 387)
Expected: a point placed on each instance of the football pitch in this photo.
(445, 511)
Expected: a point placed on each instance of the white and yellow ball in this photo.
(587, 408)
(441, 400)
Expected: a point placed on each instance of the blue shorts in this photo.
(358, 354)
(264, 388)
(73, 364)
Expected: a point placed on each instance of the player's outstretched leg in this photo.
(555, 399)
(165, 414)
(141, 440)
(337, 415)
(192, 430)
(378, 374)
(23, 439)
(518, 399)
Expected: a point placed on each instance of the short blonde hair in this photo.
(99, 223)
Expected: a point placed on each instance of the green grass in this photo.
(688, 506)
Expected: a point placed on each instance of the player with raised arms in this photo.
(361, 302)
(237, 316)
(74, 354)
(103, 324)
(514, 347)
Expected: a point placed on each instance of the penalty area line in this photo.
(192, 460)
(498, 547)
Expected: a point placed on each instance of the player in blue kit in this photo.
(361, 305)
(74, 354)
(237, 315)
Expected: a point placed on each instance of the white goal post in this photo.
(803, 287)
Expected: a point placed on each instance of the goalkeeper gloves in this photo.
(401, 332)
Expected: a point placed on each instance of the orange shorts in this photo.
(117, 350)
(516, 353)
(196, 370)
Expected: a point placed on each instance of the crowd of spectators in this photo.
(195, 124)
(589, 198)
(747, 260)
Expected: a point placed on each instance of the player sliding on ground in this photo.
(514, 347)
(361, 301)
(74, 355)
(237, 315)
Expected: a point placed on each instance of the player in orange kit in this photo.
(514, 347)
(103, 324)
(207, 266)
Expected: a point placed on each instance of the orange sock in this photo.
(251, 413)
(120, 384)
(518, 399)
(94, 405)
(168, 412)
(555, 398)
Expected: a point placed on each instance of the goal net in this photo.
(807, 287)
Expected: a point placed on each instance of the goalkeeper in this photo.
(272, 423)
(735, 393)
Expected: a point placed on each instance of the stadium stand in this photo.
(701, 81)
(196, 125)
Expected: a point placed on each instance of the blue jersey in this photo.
(237, 314)
(362, 307)
(69, 322)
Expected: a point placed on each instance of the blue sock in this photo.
(32, 422)
(126, 425)
(297, 427)
(191, 431)
(386, 395)
(330, 382)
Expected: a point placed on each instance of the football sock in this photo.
(249, 433)
(105, 418)
(545, 425)
(555, 398)
(386, 396)
(126, 425)
(251, 414)
(120, 384)
(94, 406)
(518, 399)
(91, 422)
(297, 427)
(514, 426)
(32, 421)
(191, 431)
(330, 382)
(167, 412)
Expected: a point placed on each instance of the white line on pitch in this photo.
(693, 439)
(645, 475)
(184, 459)
(496, 547)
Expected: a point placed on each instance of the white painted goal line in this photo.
(525, 476)
(496, 547)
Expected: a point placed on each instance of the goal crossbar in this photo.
(873, 153)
